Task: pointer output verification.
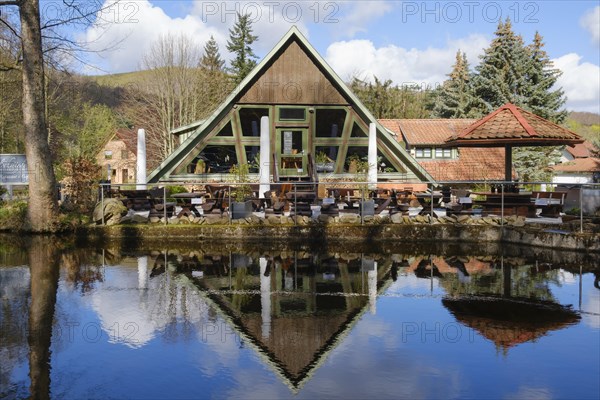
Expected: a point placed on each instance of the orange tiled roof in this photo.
(477, 164)
(589, 164)
(512, 125)
(426, 131)
(582, 150)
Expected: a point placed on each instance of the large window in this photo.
(253, 158)
(218, 158)
(383, 164)
(250, 120)
(330, 122)
(355, 153)
(226, 130)
(357, 131)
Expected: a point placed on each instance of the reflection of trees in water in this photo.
(14, 309)
(28, 303)
(528, 281)
(82, 269)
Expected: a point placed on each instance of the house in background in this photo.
(425, 140)
(119, 155)
(578, 165)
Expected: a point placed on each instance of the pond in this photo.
(213, 320)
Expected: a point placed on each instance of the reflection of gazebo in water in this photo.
(510, 321)
(506, 318)
(511, 126)
(292, 308)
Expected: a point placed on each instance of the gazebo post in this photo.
(508, 163)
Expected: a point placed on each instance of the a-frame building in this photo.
(310, 110)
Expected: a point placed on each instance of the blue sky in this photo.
(410, 41)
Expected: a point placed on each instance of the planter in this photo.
(241, 209)
(325, 167)
(367, 207)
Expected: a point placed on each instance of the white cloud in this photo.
(270, 20)
(359, 15)
(134, 30)
(401, 65)
(580, 81)
(591, 23)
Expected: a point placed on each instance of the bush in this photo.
(171, 190)
(13, 215)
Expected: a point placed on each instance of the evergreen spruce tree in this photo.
(534, 163)
(513, 73)
(541, 77)
(239, 43)
(215, 85)
(455, 99)
(501, 76)
(211, 60)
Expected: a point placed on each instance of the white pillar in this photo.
(372, 285)
(141, 160)
(265, 299)
(265, 150)
(372, 156)
(142, 272)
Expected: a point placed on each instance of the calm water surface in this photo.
(196, 320)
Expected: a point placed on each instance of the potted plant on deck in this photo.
(241, 206)
(323, 163)
(360, 168)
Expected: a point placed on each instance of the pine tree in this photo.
(534, 164)
(211, 60)
(541, 77)
(455, 99)
(501, 76)
(513, 73)
(239, 43)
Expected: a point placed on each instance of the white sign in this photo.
(13, 169)
(287, 142)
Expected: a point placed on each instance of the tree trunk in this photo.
(44, 268)
(43, 208)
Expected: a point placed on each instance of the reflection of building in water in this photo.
(292, 307)
(510, 304)
(510, 321)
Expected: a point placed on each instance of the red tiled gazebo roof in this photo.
(511, 125)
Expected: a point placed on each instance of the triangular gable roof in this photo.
(293, 381)
(203, 127)
(511, 125)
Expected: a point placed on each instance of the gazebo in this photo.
(511, 126)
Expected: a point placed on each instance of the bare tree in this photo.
(172, 91)
(34, 42)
